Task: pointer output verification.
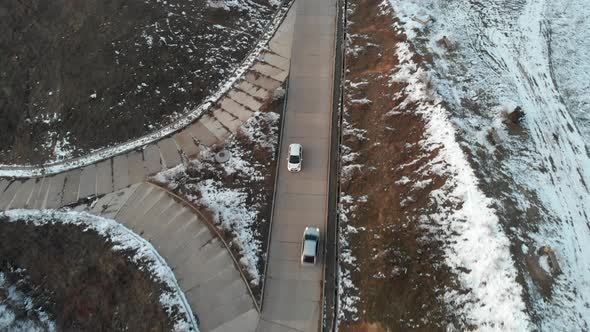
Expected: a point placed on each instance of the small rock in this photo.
(278, 93)
(444, 42)
(493, 136)
(516, 116)
(553, 262)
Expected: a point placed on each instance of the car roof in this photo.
(309, 248)
(295, 148)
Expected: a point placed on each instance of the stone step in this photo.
(119, 199)
(270, 71)
(170, 155)
(40, 195)
(3, 184)
(143, 207)
(215, 127)
(262, 81)
(227, 119)
(184, 251)
(282, 77)
(227, 312)
(72, 186)
(245, 100)
(186, 143)
(120, 172)
(152, 159)
(214, 297)
(246, 322)
(81, 208)
(253, 90)
(237, 110)
(169, 216)
(127, 212)
(104, 177)
(173, 218)
(175, 229)
(8, 194)
(22, 195)
(87, 182)
(201, 134)
(101, 205)
(213, 255)
(280, 47)
(153, 222)
(137, 167)
(55, 191)
(224, 277)
(276, 60)
(182, 231)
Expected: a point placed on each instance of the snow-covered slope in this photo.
(498, 55)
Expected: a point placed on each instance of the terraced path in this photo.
(202, 264)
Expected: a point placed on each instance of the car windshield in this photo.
(310, 237)
(294, 159)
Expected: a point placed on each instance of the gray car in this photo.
(310, 245)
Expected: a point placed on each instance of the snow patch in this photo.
(533, 54)
(33, 319)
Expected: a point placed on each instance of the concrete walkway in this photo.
(293, 293)
(201, 263)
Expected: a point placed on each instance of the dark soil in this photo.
(87, 74)
(399, 269)
(76, 277)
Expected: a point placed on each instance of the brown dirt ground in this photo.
(146, 61)
(394, 243)
(77, 278)
(260, 192)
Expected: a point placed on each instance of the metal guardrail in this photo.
(330, 285)
(29, 171)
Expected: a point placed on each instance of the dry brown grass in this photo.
(394, 242)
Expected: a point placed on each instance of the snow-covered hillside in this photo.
(490, 57)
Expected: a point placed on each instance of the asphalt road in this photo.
(293, 293)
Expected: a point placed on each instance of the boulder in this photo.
(516, 116)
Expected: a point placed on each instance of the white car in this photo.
(310, 245)
(295, 157)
